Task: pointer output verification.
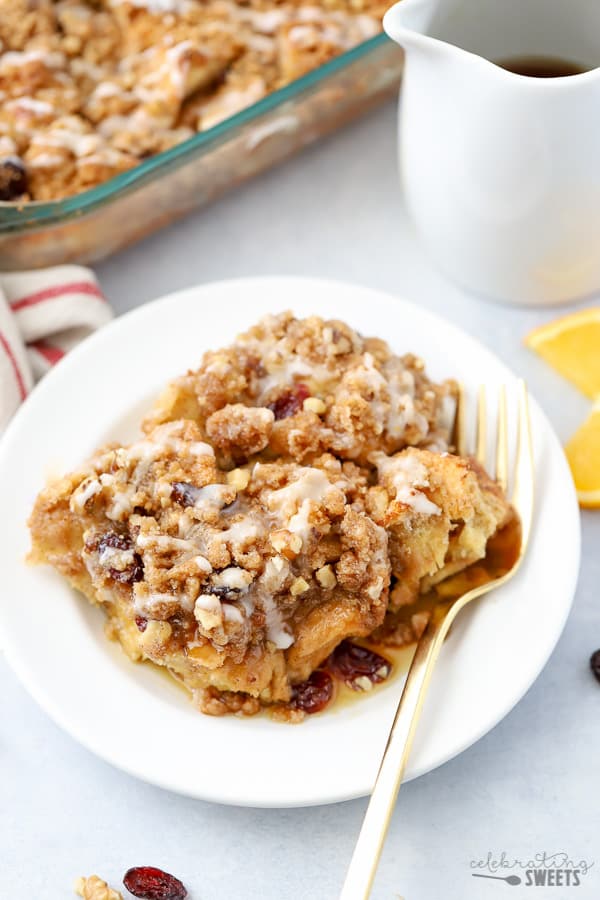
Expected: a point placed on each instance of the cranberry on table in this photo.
(313, 695)
(149, 883)
(595, 664)
(359, 667)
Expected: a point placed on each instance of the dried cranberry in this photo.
(314, 694)
(118, 541)
(13, 179)
(351, 663)
(288, 403)
(183, 493)
(153, 884)
(133, 573)
(595, 664)
(141, 622)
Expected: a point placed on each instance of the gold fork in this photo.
(365, 859)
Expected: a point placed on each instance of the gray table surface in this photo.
(531, 785)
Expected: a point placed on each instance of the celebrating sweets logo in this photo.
(541, 870)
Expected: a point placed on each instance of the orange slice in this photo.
(583, 453)
(571, 345)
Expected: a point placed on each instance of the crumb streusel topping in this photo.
(301, 387)
(228, 568)
(89, 88)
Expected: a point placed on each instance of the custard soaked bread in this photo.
(439, 511)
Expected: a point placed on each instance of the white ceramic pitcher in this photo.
(502, 171)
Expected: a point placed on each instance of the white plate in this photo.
(133, 716)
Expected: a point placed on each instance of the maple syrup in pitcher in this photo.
(542, 66)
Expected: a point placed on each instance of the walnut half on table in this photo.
(94, 888)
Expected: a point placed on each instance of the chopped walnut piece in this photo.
(315, 405)
(326, 577)
(377, 503)
(238, 479)
(221, 703)
(299, 586)
(287, 713)
(154, 636)
(94, 888)
(286, 543)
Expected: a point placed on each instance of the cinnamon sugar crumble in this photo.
(89, 89)
(238, 547)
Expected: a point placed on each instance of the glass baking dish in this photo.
(98, 222)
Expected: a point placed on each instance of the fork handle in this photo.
(367, 851)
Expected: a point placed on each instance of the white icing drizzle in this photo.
(146, 603)
(158, 7)
(232, 613)
(406, 474)
(86, 490)
(292, 505)
(277, 631)
(30, 105)
(212, 496)
(284, 374)
(166, 438)
(208, 603)
(241, 532)
(202, 564)
(106, 157)
(107, 89)
(46, 161)
(230, 101)
(210, 612)
(13, 58)
(112, 557)
(77, 143)
(235, 578)
(164, 542)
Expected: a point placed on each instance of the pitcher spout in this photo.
(408, 21)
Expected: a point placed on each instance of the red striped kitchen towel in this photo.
(43, 314)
